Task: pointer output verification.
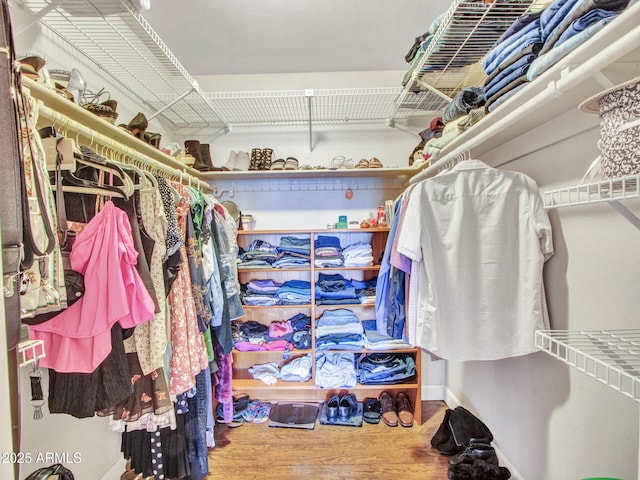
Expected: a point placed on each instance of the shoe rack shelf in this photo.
(307, 391)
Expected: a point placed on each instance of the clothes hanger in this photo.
(91, 159)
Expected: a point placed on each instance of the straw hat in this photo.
(592, 104)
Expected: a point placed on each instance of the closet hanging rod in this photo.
(92, 131)
(112, 150)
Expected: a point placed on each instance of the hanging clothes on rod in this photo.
(476, 238)
(167, 301)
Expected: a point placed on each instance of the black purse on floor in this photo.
(458, 427)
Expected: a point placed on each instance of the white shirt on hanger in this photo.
(482, 236)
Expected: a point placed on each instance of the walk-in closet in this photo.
(361, 240)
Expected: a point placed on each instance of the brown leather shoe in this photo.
(388, 405)
(405, 411)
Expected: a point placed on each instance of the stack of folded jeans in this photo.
(567, 24)
(366, 290)
(294, 292)
(507, 62)
(293, 252)
(328, 251)
(462, 103)
(358, 254)
(334, 289)
(259, 254)
(386, 368)
(339, 329)
(260, 292)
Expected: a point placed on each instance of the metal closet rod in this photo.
(108, 148)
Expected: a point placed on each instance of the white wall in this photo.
(551, 421)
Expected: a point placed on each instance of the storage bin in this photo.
(619, 143)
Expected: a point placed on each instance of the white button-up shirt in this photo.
(482, 236)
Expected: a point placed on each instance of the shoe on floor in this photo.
(405, 410)
(388, 409)
(371, 411)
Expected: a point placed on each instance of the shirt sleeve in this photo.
(409, 235)
(542, 224)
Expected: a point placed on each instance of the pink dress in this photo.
(79, 338)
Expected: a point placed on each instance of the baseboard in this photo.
(432, 392)
(115, 471)
(452, 402)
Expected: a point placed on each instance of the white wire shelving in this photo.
(610, 356)
(465, 35)
(116, 38)
(614, 189)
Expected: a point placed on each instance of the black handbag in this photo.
(56, 471)
(458, 427)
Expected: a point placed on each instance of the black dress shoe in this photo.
(348, 406)
(332, 408)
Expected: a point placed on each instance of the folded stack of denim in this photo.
(339, 330)
(386, 368)
(567, 24)
(334, 289)
(259, 254)
(335, 370)
(294, 292)
(462, 103)
(507, 62)
(293, 252)
(328, 251)
(358, 255)
(260, 292)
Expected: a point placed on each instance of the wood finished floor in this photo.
(329, 452)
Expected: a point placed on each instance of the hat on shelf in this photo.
(592, 104)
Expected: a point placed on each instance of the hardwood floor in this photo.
(330, 452)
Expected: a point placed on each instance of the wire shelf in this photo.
(451, 61)
(610, 356)
(124, 46)
(603, 191)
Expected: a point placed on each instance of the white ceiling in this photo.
(221, 37)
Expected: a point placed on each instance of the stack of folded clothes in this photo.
(293, 252)
(254, 336)
(260, 292)
(294, 292)
(359, 254)
(334, 289)
(280, 335)
(259, 254)
(507, 62)
(568, 23)
(386, 368)
(339, 329)
(296, 370)
(366, 290)
(374, 340)
(328, 252)
(335, 370)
